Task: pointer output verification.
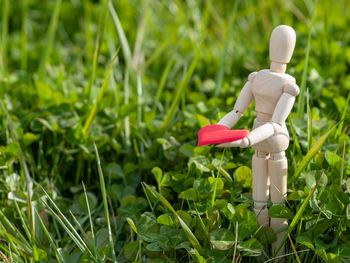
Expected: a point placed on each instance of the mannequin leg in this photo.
(277, 166)
(260, 187)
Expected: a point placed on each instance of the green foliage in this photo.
(149, 194)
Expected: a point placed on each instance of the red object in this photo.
(216, 133)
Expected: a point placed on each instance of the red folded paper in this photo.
(216, 133)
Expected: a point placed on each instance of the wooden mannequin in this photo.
(274, 92)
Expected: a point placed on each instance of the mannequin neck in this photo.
(278, 67)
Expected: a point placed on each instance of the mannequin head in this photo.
(282, 44)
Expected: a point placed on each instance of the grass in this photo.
(98, 155)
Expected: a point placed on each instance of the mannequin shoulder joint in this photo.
(291, 88)
(252, 76)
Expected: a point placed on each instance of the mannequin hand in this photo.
(243, 143)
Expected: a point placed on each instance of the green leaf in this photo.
(222, 239)
(17, 196)
(187, 150)
(243, 176)
(158, 174)
(101, 92)
(202, 120)
(200, 259)
(132, 224)
(12, 149)
(333, 159)
(266, 235)
(200, 162)
(296, 196)
(91, 198)
(304, 240)
(44, 91)
(247, 222)
(280, 211)
(191, 237)
(146, 221)
(131, 250)
(189, 194)
(154, 247)
(165, 220)
(114, 170)
(228, 210)
(348, 211)
(202, 185)
(174, 235)
(250, 248)
(102, 237)
(216, 182)
(29, 138)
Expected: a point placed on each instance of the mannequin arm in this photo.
(281, 112)
(242, 103)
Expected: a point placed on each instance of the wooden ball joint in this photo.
(274, 92)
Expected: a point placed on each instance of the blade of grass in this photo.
(309, 124)
(141, 29)
(24, 33)
(221, 71)
(64, 222)
(52, 242)
(157, 52)
(124, 41)
(14, 242)
(137, 65)
(4, 35)
(309, 121)
(342, 166)
(94, 253)
(13, 257)
(105, 204)
(340, 127)
(236, 242)
(16, 233)
(191, 237)
(307, 158)
(50, 40)
(24, 223)
(91, 223)
(68, 228)
(147, 197)
(298, 215)
(275, 259)
(4, 258)
(89, 35)
(201, 223)
(301, 97)
(180, 92)
(128, 58)
(98, 102)
(140, 108)
(99, 38)
(162, 82)
(29, 182)
(217, 178)
(294, 250)
(127, 140)
(294, 135)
